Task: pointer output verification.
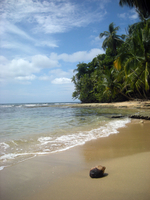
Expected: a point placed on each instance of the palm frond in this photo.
(126, 2)
(128, 65)
(117, 63)
(105, 33)
(111, 27)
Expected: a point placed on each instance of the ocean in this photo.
(28, 130)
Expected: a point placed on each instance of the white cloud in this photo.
(46, 43)
(123, 15)
(3, 60)
(61, 80)
(26, 25)
(44, 78)
(26, 78)
(45, 15)
(17, 67)
(61, 73)
(56, 74)
(13, 37)
(17, 47)
(80, 56)
(27, 69)
(23, 21)
(42, 61)
(132, 14)
(6, 26)
(24, 69)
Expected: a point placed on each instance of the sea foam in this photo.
(68, 141)
(46, 145)
(4, 146)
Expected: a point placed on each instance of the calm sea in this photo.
(28, 130)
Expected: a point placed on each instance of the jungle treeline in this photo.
(123, 72)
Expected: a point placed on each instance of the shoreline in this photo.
(64, 175)
(125, 104)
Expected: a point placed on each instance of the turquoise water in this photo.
(28, 130)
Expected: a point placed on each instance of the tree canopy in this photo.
(123, 72)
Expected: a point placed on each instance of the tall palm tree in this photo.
(112, 40)
(141, 5)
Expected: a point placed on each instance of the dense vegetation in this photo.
(123, 72)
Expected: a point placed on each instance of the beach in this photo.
(125, 104)
(65, 175)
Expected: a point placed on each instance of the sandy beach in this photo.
(125, 104)
(65, 175)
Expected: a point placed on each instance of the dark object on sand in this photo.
(97, 172)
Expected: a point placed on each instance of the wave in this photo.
(6, 106)
(24, 149)
(35, 105)
(66, 141)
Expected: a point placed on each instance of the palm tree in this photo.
(77, 79)
(112, 40)
(141, 5)
(134, 58)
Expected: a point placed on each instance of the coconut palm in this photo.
(134, 58)
(112, 40)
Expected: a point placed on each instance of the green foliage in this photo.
(135, 61)
(112, 40)
(122, 73)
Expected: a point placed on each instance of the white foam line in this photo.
(93, 134)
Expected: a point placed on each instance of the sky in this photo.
(42, 41)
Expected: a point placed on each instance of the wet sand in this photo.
(65, 175)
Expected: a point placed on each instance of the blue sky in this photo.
(42, 41)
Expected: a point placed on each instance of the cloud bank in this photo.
(22, 69)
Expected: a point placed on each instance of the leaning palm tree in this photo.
(112, 40)
(141, 5)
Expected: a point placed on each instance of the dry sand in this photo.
(125, 104)
(65, 175)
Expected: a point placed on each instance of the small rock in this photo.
(97, 172)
